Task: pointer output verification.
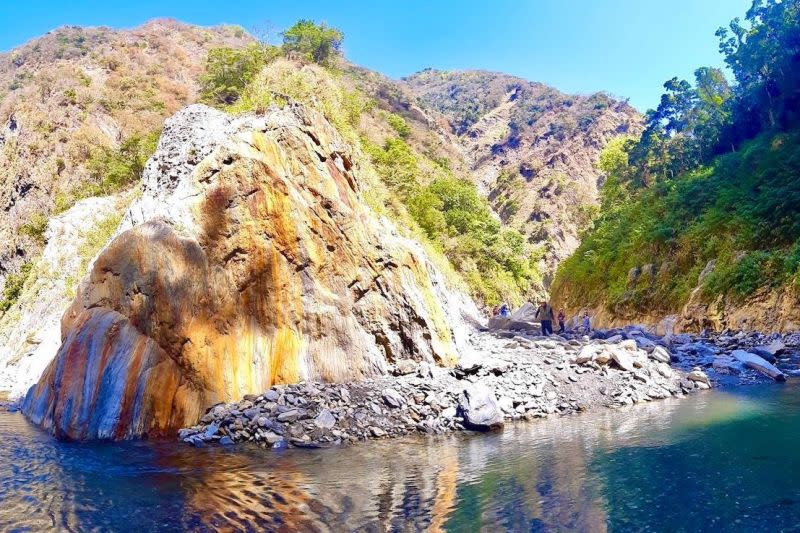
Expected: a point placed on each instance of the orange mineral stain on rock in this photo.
(271, 271)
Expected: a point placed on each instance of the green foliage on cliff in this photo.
(399, 125)
(713, 177)
(35, 227)
(229, 70)
(94, 240)
(13, 287)
(495, 261)
(507, 194)
(742, 210)
(112, 169)
(115, 169)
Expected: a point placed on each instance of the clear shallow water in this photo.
(717, 461)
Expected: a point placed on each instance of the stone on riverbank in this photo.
(478, 407)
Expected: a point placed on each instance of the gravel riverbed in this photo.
(509, 376)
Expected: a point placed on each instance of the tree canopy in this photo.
(315, 42)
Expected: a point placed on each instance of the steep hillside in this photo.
(719, 247)
(80, 111)
(532, 149)
(701, 215)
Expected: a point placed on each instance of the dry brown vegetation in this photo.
(72, 98)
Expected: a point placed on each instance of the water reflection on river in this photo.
(721, 460)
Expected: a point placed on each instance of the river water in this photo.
(721, 460)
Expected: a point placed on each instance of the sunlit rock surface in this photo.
(250, 259)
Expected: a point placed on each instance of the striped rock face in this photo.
(249, 260)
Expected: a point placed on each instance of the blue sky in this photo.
(626, 47)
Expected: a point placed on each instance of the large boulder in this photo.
(623, 358)
(759, 364)
(661, 354)
(770, 351)
(249, 260)
(479, 409)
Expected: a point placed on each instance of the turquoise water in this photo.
(722, 461)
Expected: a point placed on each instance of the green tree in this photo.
(315, 42)
(763, 54)
(229, 70)
(114, 170)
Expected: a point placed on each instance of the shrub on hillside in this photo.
(494, 260)
(399, 125)
(112, 170)
(13, 287)
(230, 70)
(116, 169)
(35, 227)
(314, 42)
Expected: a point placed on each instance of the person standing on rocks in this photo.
(545, 317)
(587, 326)
(561, 328)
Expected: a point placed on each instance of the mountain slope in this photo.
(719, 247)
(701, 215)
(530, 148)
(80, 109)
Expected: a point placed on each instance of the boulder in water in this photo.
(759, 364)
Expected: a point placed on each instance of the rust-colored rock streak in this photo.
(110, 381)
(271, 270)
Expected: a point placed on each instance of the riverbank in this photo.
(511, 376)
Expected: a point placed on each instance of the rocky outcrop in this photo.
(767, 309)
(249, 260)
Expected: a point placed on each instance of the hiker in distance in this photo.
(561, 318)
(544, 314)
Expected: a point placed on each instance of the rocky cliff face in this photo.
(249, 260)
(531, 148)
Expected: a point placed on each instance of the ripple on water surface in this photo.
(719, 460)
